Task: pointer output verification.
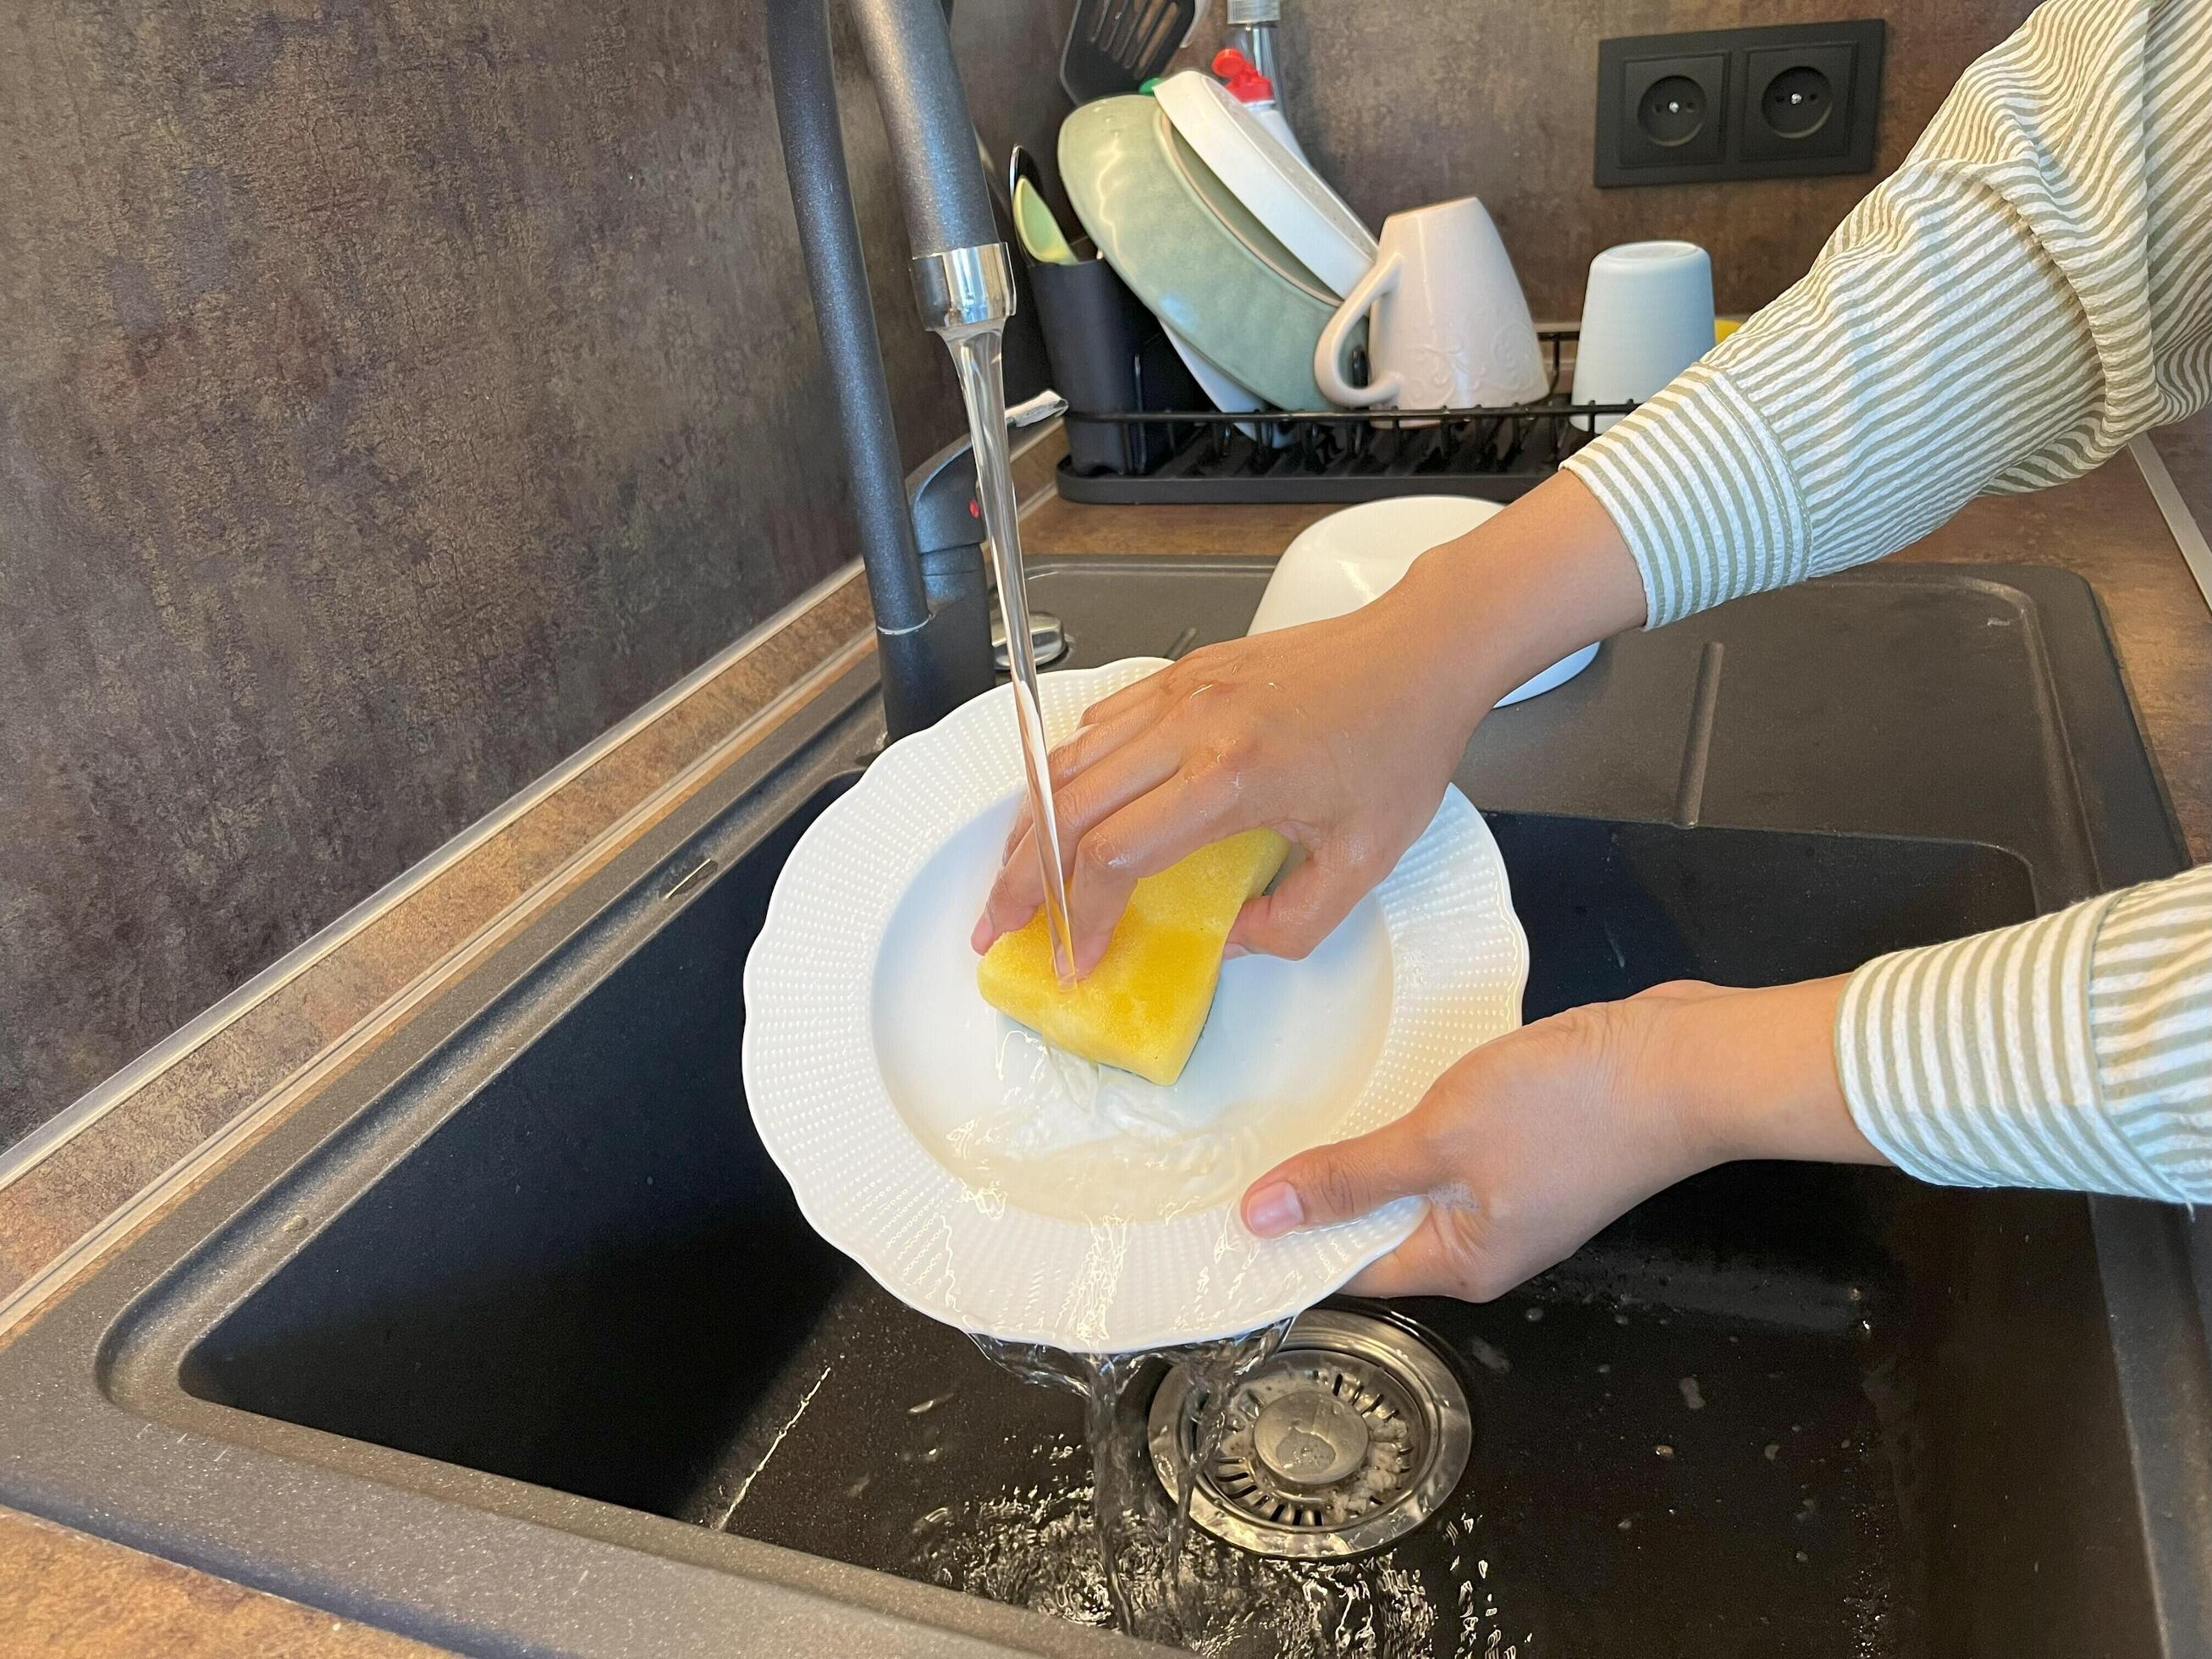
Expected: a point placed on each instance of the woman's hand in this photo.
(1532, 1144)
(1340, 735)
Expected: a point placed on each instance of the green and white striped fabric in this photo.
(2029, 291)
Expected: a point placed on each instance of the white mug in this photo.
(1647, 315)
(1450, 328)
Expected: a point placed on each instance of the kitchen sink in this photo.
(591, 1277)
(515, 1339)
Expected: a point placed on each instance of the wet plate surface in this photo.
(879, 1080)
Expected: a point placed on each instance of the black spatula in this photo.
(1116, 45)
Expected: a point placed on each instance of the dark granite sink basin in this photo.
(515, 1339)
(591, 1279)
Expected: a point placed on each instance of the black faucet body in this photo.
(933, 617)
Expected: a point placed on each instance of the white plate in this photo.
(1278, 186)
(1341, 562)
(895, 1101)
(1191, 251)
(1226, 395)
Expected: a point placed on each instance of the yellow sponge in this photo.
(1145, 1004)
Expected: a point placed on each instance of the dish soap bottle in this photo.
(1252, 31)
(1257, 94)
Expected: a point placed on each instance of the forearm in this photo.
(1547, 576)
(1535, 1140)
(1752, 1073)
(2019, 300)
(2073, 1051)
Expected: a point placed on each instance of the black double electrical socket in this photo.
(1758, 103)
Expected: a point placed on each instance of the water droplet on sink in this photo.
(1488, 1356)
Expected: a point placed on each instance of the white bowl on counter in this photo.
(1359, 555)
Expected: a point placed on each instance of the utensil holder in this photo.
(1109, 357)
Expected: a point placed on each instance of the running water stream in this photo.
(1150, 1595)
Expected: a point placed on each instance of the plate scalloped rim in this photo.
(868, 1184)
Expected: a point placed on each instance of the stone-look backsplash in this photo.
(1404, 102)
(394, 396)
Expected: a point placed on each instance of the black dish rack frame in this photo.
(1348, 455)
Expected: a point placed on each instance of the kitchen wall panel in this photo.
(393, 393)
(1402, 102)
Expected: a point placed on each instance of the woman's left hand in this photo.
(1531, 1144)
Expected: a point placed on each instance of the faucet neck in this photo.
(933, 656)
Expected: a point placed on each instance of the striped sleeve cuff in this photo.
(2150, 1017)
(1971, 1064)
(1703, 494)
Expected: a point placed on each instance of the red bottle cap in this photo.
(1246, 84)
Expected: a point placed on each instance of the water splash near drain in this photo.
(1037, 1548)
(1140, 1552)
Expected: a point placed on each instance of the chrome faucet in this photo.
(935, 648)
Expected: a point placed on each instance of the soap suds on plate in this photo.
(1069, 1135)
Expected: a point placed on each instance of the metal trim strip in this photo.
(97, 1101)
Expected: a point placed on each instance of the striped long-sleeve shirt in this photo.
(2030, 290)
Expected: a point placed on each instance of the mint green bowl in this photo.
(1188, 249)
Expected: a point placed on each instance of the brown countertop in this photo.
(2186, 448)
(67, 1593)
(63, 1592)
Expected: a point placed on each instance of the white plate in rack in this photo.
(1225, 394)
(937, 1143)
(1277, 185)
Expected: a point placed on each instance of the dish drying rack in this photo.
(1210, 456)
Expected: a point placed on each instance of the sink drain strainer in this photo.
(1349, 1437)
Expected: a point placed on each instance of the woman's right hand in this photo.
(1340, 735)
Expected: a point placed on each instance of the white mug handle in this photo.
(1382, 278)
